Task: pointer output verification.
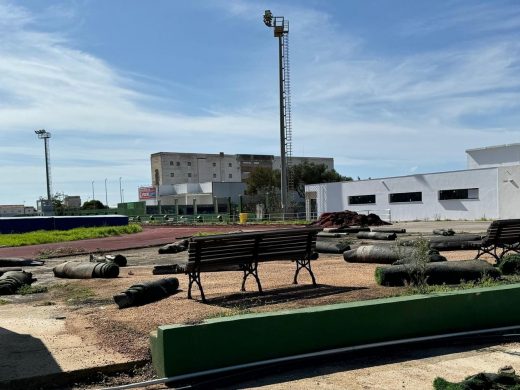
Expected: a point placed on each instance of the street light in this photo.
(42, 134)
(93, 196)
(106, 193)
(120, 190)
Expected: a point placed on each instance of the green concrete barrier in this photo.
(228, 341)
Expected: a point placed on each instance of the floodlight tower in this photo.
(42, 134)
(281, 31)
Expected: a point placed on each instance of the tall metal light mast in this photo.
(42, 134)
(281, 31)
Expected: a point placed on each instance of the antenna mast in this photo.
(281, 31)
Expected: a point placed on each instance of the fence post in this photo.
(194, 207)
(215, 205)
(240, 203)
(176, 203)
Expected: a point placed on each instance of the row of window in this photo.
(188, 163)
(407, 197)
(230, 176)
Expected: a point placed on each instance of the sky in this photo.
(386, 88)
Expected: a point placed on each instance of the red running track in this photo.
(150, 236)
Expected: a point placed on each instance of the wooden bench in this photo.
(243, 252)
(503, 234)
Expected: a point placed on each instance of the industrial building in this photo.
(12, 210)
(180, 168)
(182, 178)
(488, 189)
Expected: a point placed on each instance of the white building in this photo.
(489, 188)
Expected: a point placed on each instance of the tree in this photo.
(262, 180)
(57, 202)
(93, 205)
(310, 173)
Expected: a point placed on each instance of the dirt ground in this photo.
(79, 318)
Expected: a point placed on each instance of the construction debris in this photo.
(119, 260)
(444, 232)
(331, 246)
(388, 230)
(7, 269)
(348, 218)
(11, 281)
(147, 292)
(84, 270)
(176, 247)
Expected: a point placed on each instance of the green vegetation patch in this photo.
(3, 302)
(27, 289)
(72, 293)
(510, 264)
(53, 236)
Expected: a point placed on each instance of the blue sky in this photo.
(385, 87)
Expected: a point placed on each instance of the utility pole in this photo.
(93, 196)
(120, 190)
(106, 193)
(281, 31)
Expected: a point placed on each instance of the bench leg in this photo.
(303, 264)
(195, 277)
(490, 250)
(251, 269)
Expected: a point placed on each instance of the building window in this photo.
(172, 174)
(362, 199)
(230, 165)
(189, 174)
(171, 162)
(463, 193)
(230, 176)
(178, 163)
(405, 197)
(189, 163)
(214, 164)
(214, 176)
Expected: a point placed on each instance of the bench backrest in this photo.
(213, 252)
(503, 231)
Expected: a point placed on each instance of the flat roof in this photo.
(492, 147)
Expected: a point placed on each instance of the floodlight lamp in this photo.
(268, 18)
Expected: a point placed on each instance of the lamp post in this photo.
(106, 193)
(120, 190)
(42, 134)
(93, 196)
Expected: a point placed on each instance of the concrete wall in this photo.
(224, 342)
(493, 156)
(335, 196)
(509, 192)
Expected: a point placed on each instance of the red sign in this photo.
(147, 193)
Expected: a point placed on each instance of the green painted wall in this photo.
(221, 342)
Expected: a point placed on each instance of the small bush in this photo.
(510, 264)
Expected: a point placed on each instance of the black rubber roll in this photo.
(331, 247)
(84, 270)
(454, 245)
(11, 281)
(456, 237)
(448, 272)
(147, 292)
(118, 260)
(377, 236)
(385, 254)
(444, 232)
(178, 246)
(18, 262)
(387, 230)
(7, 269)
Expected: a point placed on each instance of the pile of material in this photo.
(84, 270)
(11, 281)
(147, 292)
(332, 246)
(348, 218)
(447, 272)
(377, 236)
